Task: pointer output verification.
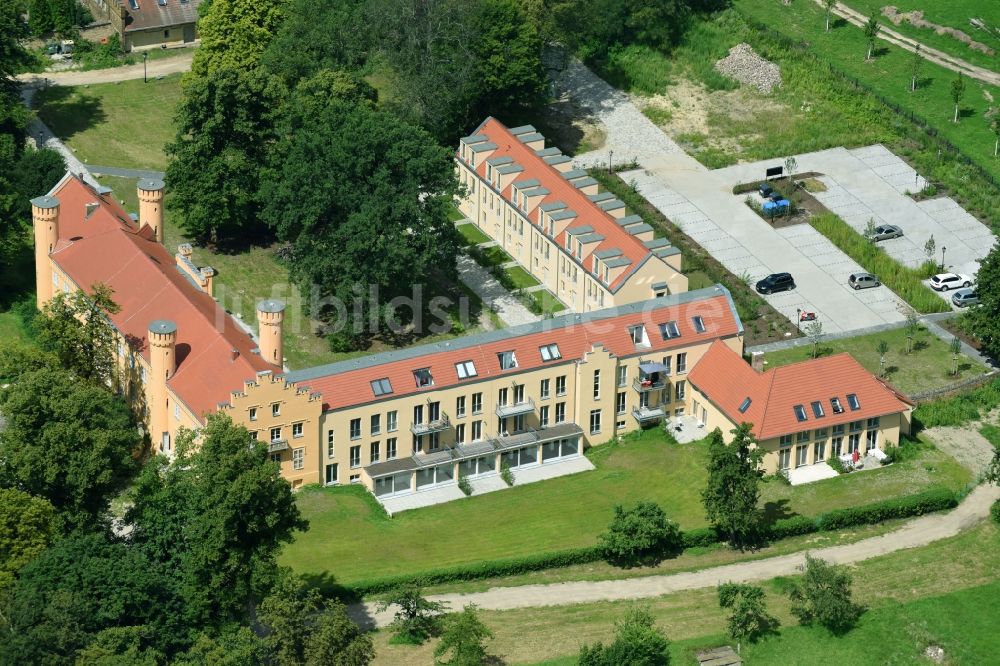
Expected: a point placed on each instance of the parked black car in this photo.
(776, 282)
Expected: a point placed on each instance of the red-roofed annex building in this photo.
(802, 413)
(578, 242)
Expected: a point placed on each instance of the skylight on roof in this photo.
(550, 352)
(670, 330)
(745, 405)
(465, 369)
(508, 361)
(837, 407)
(381, 386)
(134, 4)
(699, 324)
(800, 412)
(852, 400)
(818, 409)
(423, 377)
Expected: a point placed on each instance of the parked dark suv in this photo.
(776, 282)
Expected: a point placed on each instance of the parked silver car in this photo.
(885, 232)
(863, 280)
(963, 298)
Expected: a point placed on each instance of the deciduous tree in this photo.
(829, 5)
(77, 329)
(416, 618)
(640, 535)
(235, 33)
(955, 346)
(957, 92)
(916, 60)
(733, 489)
(27, 526)
(749, 619)
(881, 348)
(871, 29)
(637, 641)
(823, 596)
(984, 318)
(462, 639)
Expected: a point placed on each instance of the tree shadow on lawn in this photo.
(68, 111)
(775, 511)
(328, 586)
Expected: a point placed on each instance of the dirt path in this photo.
(965, 444)
(918, 532)
(172, 65)
(930, 54)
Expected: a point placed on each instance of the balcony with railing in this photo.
(647, 414)
(649, 383)
(276, 445)
(439, 424)
(516, 409)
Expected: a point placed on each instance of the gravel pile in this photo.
(744, 65)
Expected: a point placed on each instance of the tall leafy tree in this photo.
(733, 488)
(235, 33)
(416, 619)
(217, 514)
(225, 126)
(823, 596)
(984, 318)
(76, 328)
(362, 197)
(640, 535)
(27, 526)
(66, 440)
(749, 618)
(463, 639)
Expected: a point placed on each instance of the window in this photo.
(543, 390)
(682, 363)
(381, 387)
(800, 413)
(418, 414)
(597, 384)
(784, 455)
(391, 423)
(253, 435)
(465, 369)
(622, 375)
(561, 385)
(838, 430)
(786, 440)
(460, 406)
(275, 457)
(374, 451)
(390, 448)
(423, 377)
(355, 478)
(298, 458)
(477, 403)
(817, 408)
(873, 422)
(595, 421)
(356, 456)
(508, 361)
(177, 412)
(331, 474)
(802, 436)
(638, 334)
(253, 413)
(838, 446)
(670, 330)
(852, 400)
(296, 429)
(355, 428)
(620, 402)
(819, 433)
(836, 406)
(460, 433)
(276, 434)
(801, 456)
(855, 426)
(745, 405)
(518, 394)
(543, 416)
(376, 424)
(871, 440)
(819, 451)
(477, 431)
(679, 390)
(502, 396)
(667, 360)
(276, 409)
(699, 324)
(329, 444)
(560, 412)
(550, 352)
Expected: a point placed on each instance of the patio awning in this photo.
(650, 367)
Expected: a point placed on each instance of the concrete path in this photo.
(918, 532)
(45, 138)
(498, 299)
(124, 173)
(154, 68)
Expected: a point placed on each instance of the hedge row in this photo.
(934, 499)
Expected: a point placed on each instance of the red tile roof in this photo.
(151, 14)
(561, 190)
(348, 383)
(726, 380)
(107, 247)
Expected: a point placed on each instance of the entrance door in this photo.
(331, 474)
(189, 33)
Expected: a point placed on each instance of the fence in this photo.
(956, 387)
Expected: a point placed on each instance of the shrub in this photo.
(506, 474)
(995, 512)
(823, 596)
(465, 486)
(835, 463)
(640, 535)
(637, 641)
(935, 499)
(794, 526)
(958, 409)
(700, 537)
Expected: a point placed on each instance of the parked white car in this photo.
(946, 281)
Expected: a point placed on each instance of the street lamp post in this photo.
(611, 161)
(798, 320)
(145, 57)
(943, 248)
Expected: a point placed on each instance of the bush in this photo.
(935, 499)
(995, 512)
(465, 486)
(506, 474)
(640, 536)
(837, 466)
(700, 537)
(794, 526)
(823, 596)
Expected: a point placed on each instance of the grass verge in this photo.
(472, 234)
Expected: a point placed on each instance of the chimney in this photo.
(270, 314)
(757, 361)
(207, 278)
(45, 223)
(163, 364)
(150, 192)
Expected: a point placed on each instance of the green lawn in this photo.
(562, 513)
(520, 278)
(11, 328)
(543, 302)
(472, 234)
(122, 124)
(928, 366)
(454, 214)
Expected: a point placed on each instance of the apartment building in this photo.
(553, 220)
(802, 413)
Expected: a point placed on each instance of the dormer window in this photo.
(852, 400)
(837, 407)
(508, 361)
(817, 408)
(381, 386)
(550, 352)
(699, 324)
(800, 413)
(670, 330)
(423, 377)
(489, 172)
(465, 369)
(638, 334)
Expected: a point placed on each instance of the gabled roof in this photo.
(108, 247)
(726, 380)
(348, 383)
(149, 14)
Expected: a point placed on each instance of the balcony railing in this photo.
(517, 408)
(646, 414)
(277, 445)
(436, 425)
(642, 385)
